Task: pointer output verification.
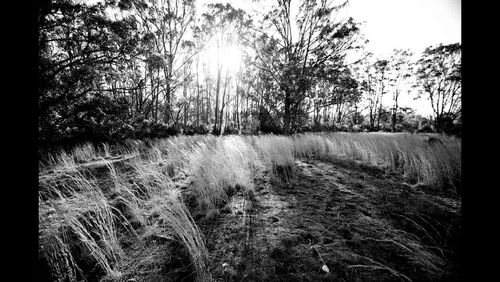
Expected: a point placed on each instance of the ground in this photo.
(362, 223)
(333, 220)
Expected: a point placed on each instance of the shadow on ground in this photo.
(363, 224)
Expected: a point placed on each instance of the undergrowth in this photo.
(102, 215)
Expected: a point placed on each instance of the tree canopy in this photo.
(122, 69)
(439, 76)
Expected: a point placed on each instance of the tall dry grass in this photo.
(84, 220)
(416, 157)
(277, 153)
(81, 225)
(219, 168)
(76, 219)
(165, 215)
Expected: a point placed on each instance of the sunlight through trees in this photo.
(111, 70)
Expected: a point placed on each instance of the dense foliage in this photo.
(138, 68)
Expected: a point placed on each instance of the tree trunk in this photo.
(156, 98)
(197, 93)
(209, 106)
(217, 90)
(186, 103)
(395, 111)
(168, 109)
(287, 116)
(221, 128)
(237, 109)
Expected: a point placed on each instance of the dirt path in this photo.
(363, 224)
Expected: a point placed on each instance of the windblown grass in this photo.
(218, 169)
(78, 220)
(436, 165)
(277, 153)
(87, 221)
(80, 225)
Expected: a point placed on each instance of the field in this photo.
(306, 207)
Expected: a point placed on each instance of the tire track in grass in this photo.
(240, 241)
(332, 213)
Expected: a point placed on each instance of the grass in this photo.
(277, 153)
(116, 216)
(81, 225)
(220, 168)
(435, 165)
(74, 220)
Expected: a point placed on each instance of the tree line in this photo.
(138, 68)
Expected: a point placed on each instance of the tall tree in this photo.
(439, 76)
(381, 68)
(223, 22)
(295, 59)
(165, 24)
(372, 74)
(80, 47)
(400, 70)
(336, 91)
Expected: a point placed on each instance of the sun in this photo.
(229, 57)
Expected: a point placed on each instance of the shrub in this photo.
(193, 129)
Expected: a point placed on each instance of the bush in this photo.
(426, 129)
(193, 129)
(230, 130)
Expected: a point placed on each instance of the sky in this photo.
(413, 24)
(407, 24)
(391, 24)
(401, 24)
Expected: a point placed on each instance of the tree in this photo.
(336, 92)
(381, 67)
(400, 70)
(439, 76)
(80, 48)
(373, 76)
(295, 62)
(164, 24)
(134, 68)
(222, 22)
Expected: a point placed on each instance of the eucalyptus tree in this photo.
(381, 68)
(297, 49)
(335, 93)
(223, 22)
(399, 75)
(80, 47)
(164, 25)
(370, 81)
(439, 76)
